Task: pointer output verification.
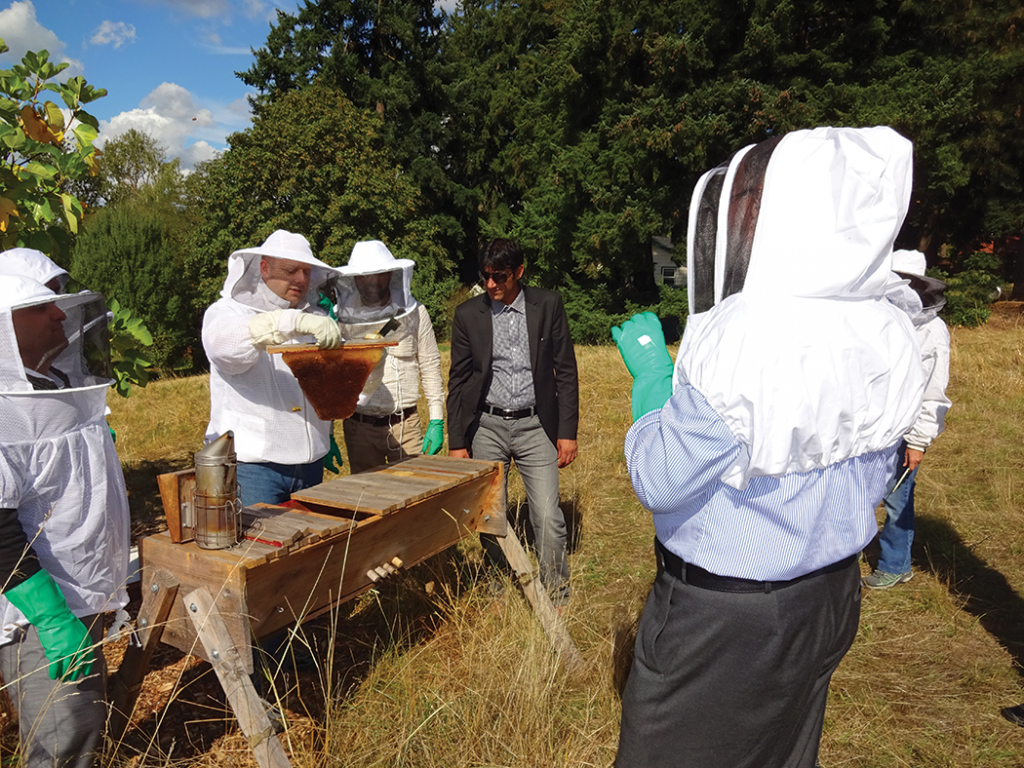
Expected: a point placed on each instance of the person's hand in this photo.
(434, 438)
(64, 637)
(326, 331)
(333, 461)
(459, 453)
(912, 458)
(641, 343)
(566, 452)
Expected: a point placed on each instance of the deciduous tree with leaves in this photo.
(43, 146)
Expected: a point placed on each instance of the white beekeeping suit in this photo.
(922, 298)
(394, 383)
(253, 393)
(58, 465)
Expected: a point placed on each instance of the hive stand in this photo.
(328, 546)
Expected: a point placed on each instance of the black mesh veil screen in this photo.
(703, 258)
(744, 206)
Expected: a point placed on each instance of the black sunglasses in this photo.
(499, 278)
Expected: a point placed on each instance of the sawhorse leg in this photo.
(126, 683)
(538, 597)
(227, 663)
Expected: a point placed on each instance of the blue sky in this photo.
(168, 65)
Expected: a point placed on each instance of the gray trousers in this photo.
(61, 724)
(525, 441)
(727, 680)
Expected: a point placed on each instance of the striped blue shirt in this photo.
(774, 529)
(511, 377)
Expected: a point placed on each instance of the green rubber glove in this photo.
(641, 343)
(64, 638)
(327, 305)
(434, 439)
(333, 460)
(113, 434)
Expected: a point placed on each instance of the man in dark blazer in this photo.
(513, 394)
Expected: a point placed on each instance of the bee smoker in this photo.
(218, 518)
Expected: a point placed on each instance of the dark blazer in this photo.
(552, 359)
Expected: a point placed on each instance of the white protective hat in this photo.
(791, 340)
(244, 264)
(32, 263)
(910, 262)
(372, 257)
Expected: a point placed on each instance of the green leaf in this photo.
(86, 134)
(72, 211)
(39, 170)
(86, 119)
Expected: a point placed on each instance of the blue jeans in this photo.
(270, 483)
(536, 458)
(898, 531)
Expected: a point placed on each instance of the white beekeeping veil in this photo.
(921, 297)
(28, 262)
(243, 281)
(82, 356)
(793, 342)
(372, 257)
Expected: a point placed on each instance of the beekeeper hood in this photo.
(244, 283)
(791, 339)
(921, 297)
(70, 348)
(29, 262)
(58, 465)
(372, 257)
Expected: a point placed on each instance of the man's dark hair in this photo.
(501, 254)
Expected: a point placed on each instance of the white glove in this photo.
(268, 328)
(326, 330)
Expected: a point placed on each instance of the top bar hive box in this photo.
(322, 549)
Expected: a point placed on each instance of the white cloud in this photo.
(188, 130)
(22, 32)
(116, 32)
(199, 152)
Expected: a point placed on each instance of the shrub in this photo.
(971, 290)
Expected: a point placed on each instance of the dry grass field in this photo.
(431, 670)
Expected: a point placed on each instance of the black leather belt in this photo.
(522, 413)
(385, 421)
(696, 576)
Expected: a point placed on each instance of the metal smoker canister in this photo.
(216, 507)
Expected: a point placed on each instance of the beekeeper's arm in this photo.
(32, 591)
(428, 359)
(641, 343)
(236, 341)
(268, 328)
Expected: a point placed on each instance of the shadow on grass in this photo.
(519, 516)
(985, 592)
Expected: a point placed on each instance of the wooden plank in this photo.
(248, 707)
(382, 492)
(542, 606)
(464, 467)
(276, 349)
(176, 488)
(126, 683)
